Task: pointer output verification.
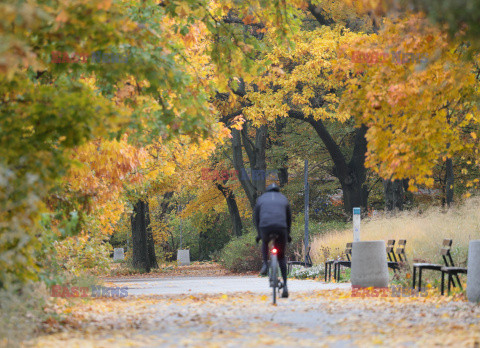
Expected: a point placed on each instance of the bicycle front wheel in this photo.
(274, 276)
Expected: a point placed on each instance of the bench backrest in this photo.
(308, 259)
(401, 250)
(348, 251)
(390, 253)
(445, 252)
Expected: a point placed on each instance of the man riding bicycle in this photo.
(273, 217)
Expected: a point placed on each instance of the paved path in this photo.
(216, 285)
(330, 318)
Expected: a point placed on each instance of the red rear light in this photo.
(274, 251)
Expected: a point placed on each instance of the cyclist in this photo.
(273, 216)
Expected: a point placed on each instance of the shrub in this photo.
(242, 254)
(21, 312)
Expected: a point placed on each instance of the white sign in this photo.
(356, 224)
(118, 254)
(183, 257)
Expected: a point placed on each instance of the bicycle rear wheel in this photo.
(274, 276)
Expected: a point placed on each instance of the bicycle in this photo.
(273, 270)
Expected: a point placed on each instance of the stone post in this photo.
(118, 254)
(473, 276)
(369, 264)
(183, 257)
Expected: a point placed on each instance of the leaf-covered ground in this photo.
(196, 269)
(324, 318)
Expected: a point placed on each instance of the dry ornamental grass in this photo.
(424, 233)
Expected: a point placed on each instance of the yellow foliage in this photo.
(303, 78)
(417, 103)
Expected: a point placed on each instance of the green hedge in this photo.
(242, 254)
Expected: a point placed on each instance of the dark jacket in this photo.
(272, 211)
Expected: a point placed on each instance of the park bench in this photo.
(337, 265)
(390, 250)
(394, 262)
(449, 268)
(328, 269)
(308, 262)
(451, 272)
(330, 263)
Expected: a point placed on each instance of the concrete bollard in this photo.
(473, 275)
(118, 254)
(183, 257)
(369, 264)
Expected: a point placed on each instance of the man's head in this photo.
(273, 187)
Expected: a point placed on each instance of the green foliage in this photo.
(459, 15)
(19, 202)
(241, 254)
(21, 312)
(203, 234)
(49, 108)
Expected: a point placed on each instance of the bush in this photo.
(242, 254)
(21, 312)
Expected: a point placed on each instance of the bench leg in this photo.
(458, 280)
(442, 287)
(419, 278)
(339, 268)
(449, 282)
(414, 276)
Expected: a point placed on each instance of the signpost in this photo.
(179, 209)
(183, 255)
(356, 224)
(306, 209)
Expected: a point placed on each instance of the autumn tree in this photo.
(303, 83)
(420, 107)
(50, 105)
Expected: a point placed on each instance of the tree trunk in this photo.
(448, 190)
(283, 170)
(352, 175)
(232, 209)
(449, 181)
(283, 176)
(354, 195)
(394, 194)
(353, 182)
(142, 238)
(255, 185)
(165, 206)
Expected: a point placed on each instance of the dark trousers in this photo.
(267, 235)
